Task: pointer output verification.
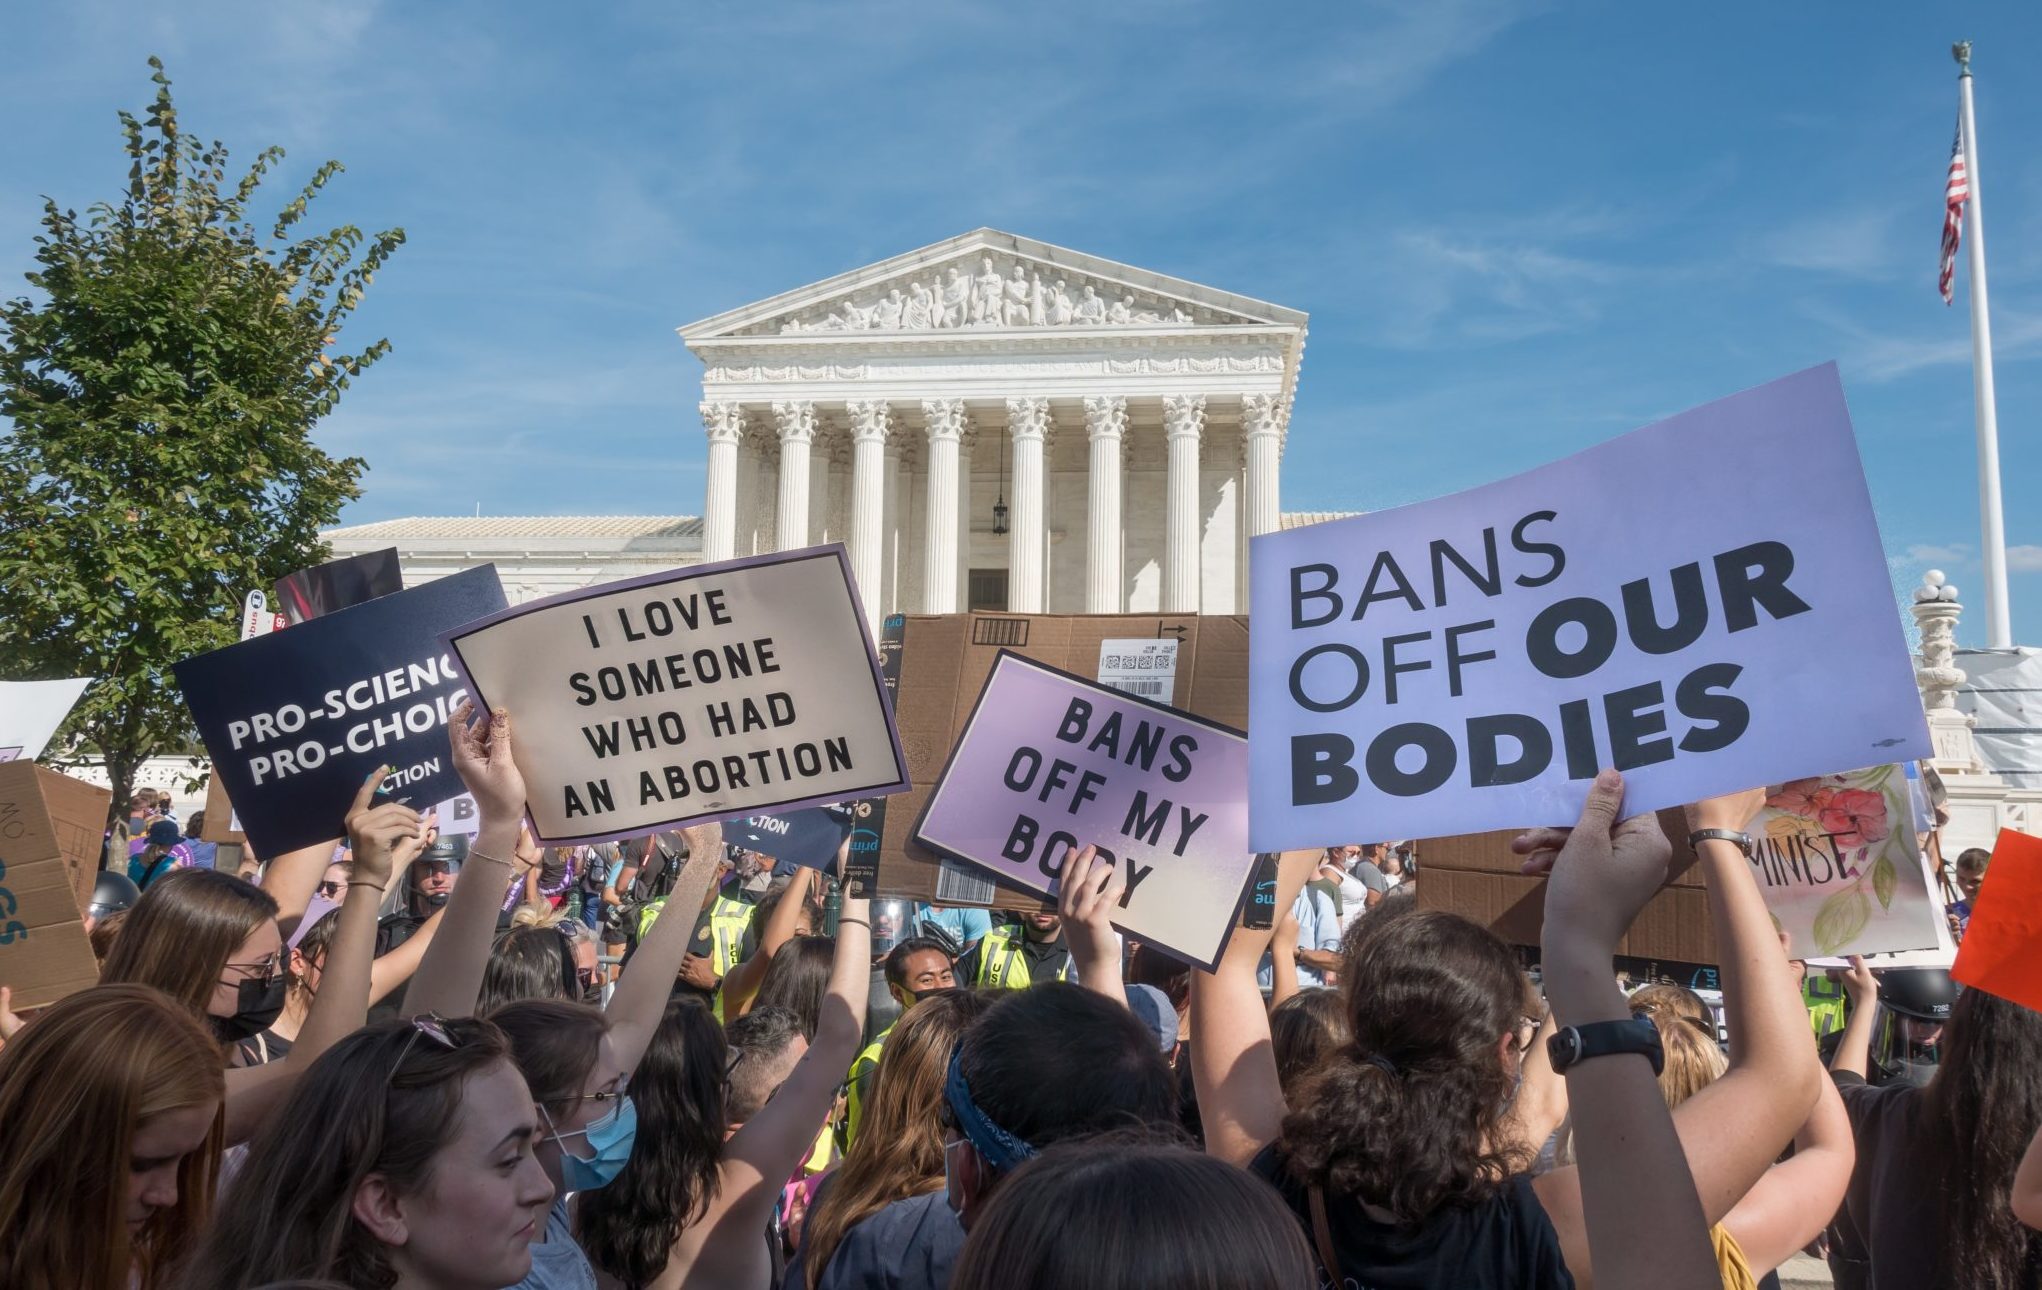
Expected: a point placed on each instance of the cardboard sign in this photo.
(50, 833)
(1839, 863)
(1703, 604)
(712, 691)
(337, 584)
(31, 711)
(808, 838)
(222, 824)
(294, 720)
(1049, 760)
(2002, 949)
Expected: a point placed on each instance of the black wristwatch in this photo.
(1742, 841)
(1575, 1044)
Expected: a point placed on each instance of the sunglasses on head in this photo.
(432, 1027)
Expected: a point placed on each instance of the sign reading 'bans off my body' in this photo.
(1049, 760)
(704, 693)
(1703, 604)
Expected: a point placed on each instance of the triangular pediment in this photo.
(984, 281)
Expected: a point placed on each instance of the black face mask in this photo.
(257, 1004)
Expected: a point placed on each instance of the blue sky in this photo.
(1518, 229)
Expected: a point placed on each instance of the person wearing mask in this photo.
(211, 942)
(1162, 1216)
(404, 1158)
(899, 1153)
(1025, 949)
(110, 1137)
(1337, 881)
(159, 851)
(1939, 1142)
(914, 967)
(1401, 1157)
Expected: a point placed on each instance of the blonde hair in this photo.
(1693, 1059)
(898, 1152)
(74, 1088)
(179, 936)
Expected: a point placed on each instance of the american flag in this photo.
(1956, 191)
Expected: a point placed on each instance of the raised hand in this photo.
(1603, 870)
(1088, 893)
(378, 833)
(482, 755)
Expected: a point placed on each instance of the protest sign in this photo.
(1702, 604)
(31, 711)
(337, 584)
(1839, 863)
(1050, 760)
(294, 720)
(808, 838)
(711, 691)
(50, 827)
(2002, 949)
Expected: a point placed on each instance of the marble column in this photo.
(1105, 423)
(893, 519)
(939, 569)
(868, 504)
(1262, 426)
(725, 424)
(797, 432)
(1183, 421)
(1028, 428)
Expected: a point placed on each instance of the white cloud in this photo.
(1849, 243)
(2025, 558)
(1930, 553)
(1879, 358)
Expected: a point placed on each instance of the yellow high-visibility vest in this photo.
(1001, 963)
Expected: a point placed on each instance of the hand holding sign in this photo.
(1088, 894)
(482, 753)
(378, 834)
(1603, 870)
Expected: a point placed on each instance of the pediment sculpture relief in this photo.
(956, 297)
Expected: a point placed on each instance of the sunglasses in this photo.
(430, 1026)
(331, 890)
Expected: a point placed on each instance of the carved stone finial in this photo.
(1936, 612)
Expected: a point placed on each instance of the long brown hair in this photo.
(384, 1100)
(1404, 1115)
(1981, 1109)
(1108, 1213)
(898, 1152)
(74, 1088)
(181, 933)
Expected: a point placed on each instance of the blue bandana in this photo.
(1001, 1149)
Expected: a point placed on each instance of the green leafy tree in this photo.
(162, 383)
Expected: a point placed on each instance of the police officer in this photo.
(915, 966)
(1026, 948)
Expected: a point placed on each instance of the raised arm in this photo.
(398, 966)
(1283, 957)
(1853, 1055)
(449, 977)
(292, 877)
(1088, 893)
(742, 982)
(723, 1249)
(1233, 1063)
(1632, 1176)
(382, 836)
(1796, 1198)
(640, 998)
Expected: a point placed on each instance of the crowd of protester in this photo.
(418, 1059)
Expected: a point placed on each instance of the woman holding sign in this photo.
(211, 942)
(1395, 1155)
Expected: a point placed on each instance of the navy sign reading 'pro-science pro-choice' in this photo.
(294, 720)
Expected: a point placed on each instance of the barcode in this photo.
(957, 884)
(1150, 689)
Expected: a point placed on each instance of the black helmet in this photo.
(447, 849)
(112, 892)
(1922, 993)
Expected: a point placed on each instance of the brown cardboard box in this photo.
(51, 832)
(941, 663)
(1475, 875)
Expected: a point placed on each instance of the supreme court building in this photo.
(986, 423)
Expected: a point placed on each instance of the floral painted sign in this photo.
(1840, 865)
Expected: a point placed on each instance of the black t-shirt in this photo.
(261, 1049)
(1885, 1234)
(1504, 1241)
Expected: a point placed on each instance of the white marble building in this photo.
(990, 422)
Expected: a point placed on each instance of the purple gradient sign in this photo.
(1050, 760)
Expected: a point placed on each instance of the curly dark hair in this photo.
(1982, 1107)
(1404, 1114)
(628, 1227)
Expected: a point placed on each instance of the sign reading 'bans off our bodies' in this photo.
(704, 693)
(293, 720)
(1703, 604)
(1049, 760)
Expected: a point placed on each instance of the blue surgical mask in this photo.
(610, 1138)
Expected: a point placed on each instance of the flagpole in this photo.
(1998, 617)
